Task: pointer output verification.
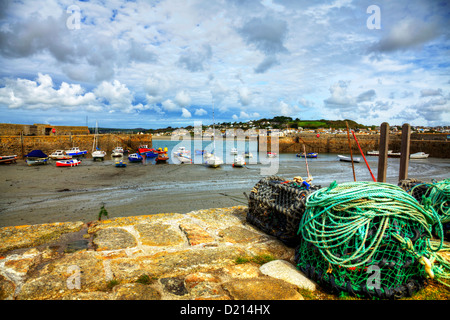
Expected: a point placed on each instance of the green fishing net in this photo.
(367, 239)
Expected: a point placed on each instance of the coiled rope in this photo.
(357, 215)
(437, 196)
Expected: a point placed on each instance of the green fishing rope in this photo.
(368, 216)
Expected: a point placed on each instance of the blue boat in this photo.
(135, 157)
(36, 157)
(120, 164)
(308, 155)
(76, 152)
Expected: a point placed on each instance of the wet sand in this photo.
(45, 194)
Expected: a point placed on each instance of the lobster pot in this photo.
(436, 195)
(358, 239)
(276, 206)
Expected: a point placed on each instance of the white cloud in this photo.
(183, 99)
(185, 113)
(245, 96)
(200, 112)
(41, 94)
(159, 57)
(170, 106)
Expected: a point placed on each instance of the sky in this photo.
(154, 64)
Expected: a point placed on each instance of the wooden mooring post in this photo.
(383, 152)
(404, 149)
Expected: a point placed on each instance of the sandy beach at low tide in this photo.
(46, 193)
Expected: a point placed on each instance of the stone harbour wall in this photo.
(172, 256)
(436, 145)
(107, 142)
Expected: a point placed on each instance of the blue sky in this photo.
(155, 64)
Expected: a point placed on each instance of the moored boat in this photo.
(148, 152)
(120, 164)
(76, 152)
(419, 155)
(239, 161)
(135, 157)
(271, 154)
(348, 159)
(68, 163)
(162, 157)
(308, 155)
(60, 155)
(213, 161)
(8, 159)
(117, 152)
(36, 157)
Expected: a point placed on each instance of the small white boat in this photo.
(248, 154)
(271, 154)
(60, 155)
(348, 159)
(117, 152)
(419, 155)
(182, 157)
(96, 153)
(233, 151)
(214, 161)
(181, 150)
(239, 161)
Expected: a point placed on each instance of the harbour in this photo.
(46, 193)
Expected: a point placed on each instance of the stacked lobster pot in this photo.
(276, 206)
(435, 194)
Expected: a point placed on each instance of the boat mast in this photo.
(214, 132)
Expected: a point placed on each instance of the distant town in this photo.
(281, 125)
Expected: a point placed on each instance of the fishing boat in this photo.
(418, 155)
(183, 158)
(120, 164)
(308, 155)
(148, 152)
(76, 152)
(68, 163)
(271, 154)
(96, 152)
(36, 157)
(348, 159)
(162, 156)
(234, 151)
(239, 161)
(117, 152)
(248, 154)
(135, 157)
(60, 155)
(212, 160)
(8, 159)
(181, 150)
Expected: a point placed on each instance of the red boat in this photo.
(8, 159)
(68, 163)
(162, 155)
(144, 149)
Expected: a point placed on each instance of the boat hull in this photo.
(348, 159)
(68, 163)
